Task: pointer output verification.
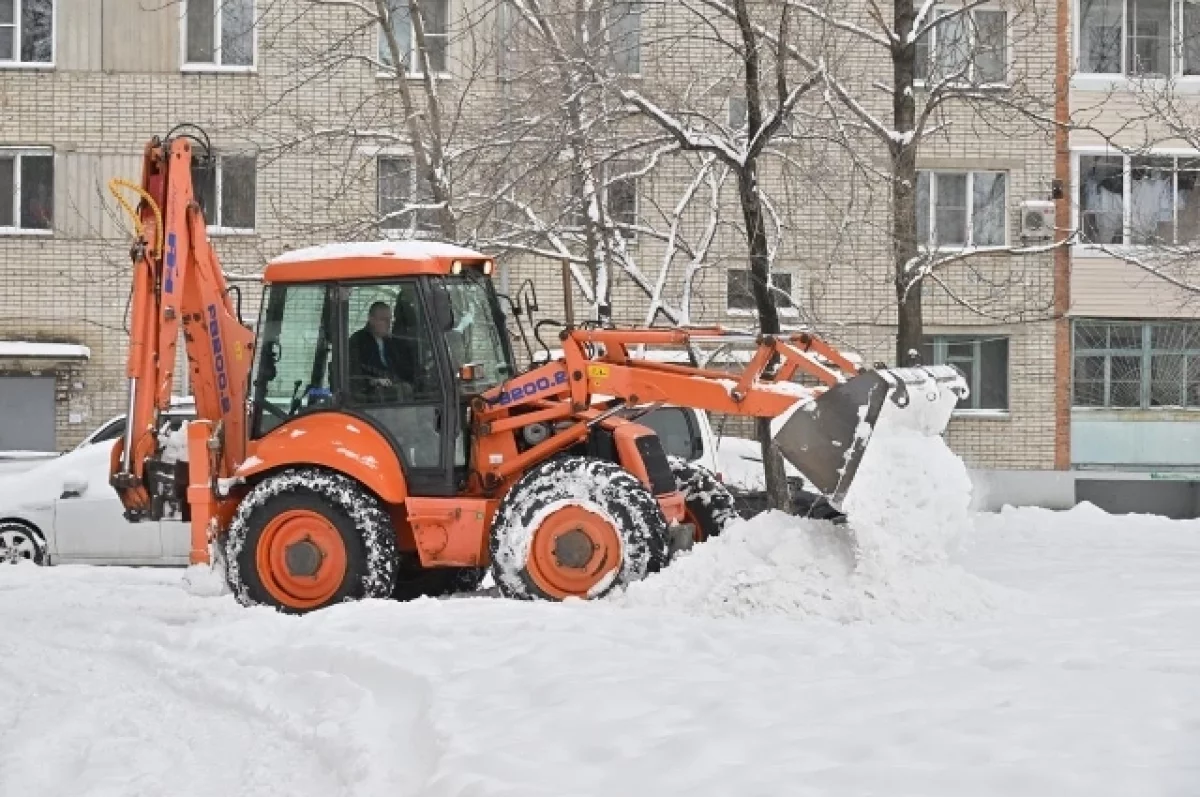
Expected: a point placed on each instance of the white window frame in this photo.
(929, 246)
(750, 312)
(641, 11)
(414, 64)
(1009, 60)
(629, 236)
(412, 230)
(1099, 81)
(15, 62)
(1126, 190)
(218, 210)
(17, 152)
(940, 342)
(205, 66)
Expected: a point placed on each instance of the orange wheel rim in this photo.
(572, 551)
(301, 558)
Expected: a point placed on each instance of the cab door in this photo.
(396, 376)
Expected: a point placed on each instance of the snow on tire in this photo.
(545, 524)
(710, 505)
(354, 533)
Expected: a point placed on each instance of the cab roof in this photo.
(368, 259)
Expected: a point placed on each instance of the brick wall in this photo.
(311, 188)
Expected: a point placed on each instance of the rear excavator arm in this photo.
(177, 283)
(822, 429)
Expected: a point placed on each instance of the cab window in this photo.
(676, 430)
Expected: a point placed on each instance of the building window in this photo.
(26, 31)
(26, 190)
(399, 189)
(1139, 37)
(623, 206)
(226, 191)
(966, 208)
(622, 198)
(983, 361)
(1150, 200)
(969, 47)
(739, 290)
(436, 14)
(737, 113)
(219, 33)
(1136, 365)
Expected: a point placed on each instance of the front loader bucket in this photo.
(825, 438)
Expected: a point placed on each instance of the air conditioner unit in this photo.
(1037, 220)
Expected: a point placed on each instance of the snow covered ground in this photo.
(1024, 653)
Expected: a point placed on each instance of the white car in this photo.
(64, 511)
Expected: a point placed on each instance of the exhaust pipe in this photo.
(825, 438)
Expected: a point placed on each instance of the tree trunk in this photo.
(768, 321)
(905, 247)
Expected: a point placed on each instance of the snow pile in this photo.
(907, 508)
(42, 484)
(206, 581)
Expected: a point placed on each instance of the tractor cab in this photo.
(399, 335)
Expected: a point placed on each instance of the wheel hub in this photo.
(574, 549)
(303, 558)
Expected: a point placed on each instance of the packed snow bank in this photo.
(908, 508)
(115, 681)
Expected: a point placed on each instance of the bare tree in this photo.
(952, 73)
(689, 116)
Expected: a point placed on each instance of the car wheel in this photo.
(21, 542)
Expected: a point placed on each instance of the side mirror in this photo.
(73, 487)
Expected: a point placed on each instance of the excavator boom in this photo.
(822, 429)
(177, 284)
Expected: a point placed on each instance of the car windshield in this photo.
(475, 337)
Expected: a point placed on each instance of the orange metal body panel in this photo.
(363, 267)
(451, 531)
(181, 285)
(333, 440)
(200, 497)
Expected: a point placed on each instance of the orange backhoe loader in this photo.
(375, 438)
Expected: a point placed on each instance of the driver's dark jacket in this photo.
(365, 362)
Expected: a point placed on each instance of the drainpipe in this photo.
(1062, 254)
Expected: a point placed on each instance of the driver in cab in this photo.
(381, 369)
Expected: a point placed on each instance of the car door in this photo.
(89, 524)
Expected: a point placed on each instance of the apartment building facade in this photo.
(84, 83)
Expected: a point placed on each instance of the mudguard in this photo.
(333, 440)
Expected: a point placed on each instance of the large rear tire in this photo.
(576, 527)
(306, 538)
(709, 505)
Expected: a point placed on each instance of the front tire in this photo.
(20, 542)
(576, 527)
(306, 538)
(710, 507)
